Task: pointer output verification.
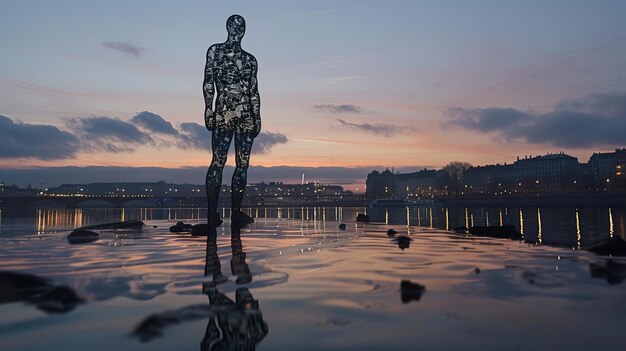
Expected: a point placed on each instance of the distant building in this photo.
(14, 191)
(420, 184)
(261, 193)
(488, 179)
(608, 165)
(550, 173)
(379, 185)
(139, 189)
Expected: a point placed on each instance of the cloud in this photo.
(154, 123)
(113, 135)
(194, 136)
(41, 141)
(382, 129)
(109, 134)
(124, 47)
(594, 120)
(338, 109)
(265, 141)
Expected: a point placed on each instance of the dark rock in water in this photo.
(403, 241)
(342, 226)
(241, 219)
(132, 224)
(613, 272)
(362, 218)
(503, 232)
(477, 270)
(411, 291)
(81, 236)
(43, 293)
(181, 227)
(391, 232)
(19, 286)
(612, 247)
(202, 229)
(61, 299)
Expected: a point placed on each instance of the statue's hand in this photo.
(209, 119)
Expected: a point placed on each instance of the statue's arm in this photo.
(208, 87)
(255, 99)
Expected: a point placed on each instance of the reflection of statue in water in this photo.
(232, 325)
(230, 78)
(237, 325)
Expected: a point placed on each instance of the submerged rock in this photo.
(60, 299)
(403, 241)
(342, 226)
(613, 272)
(41, 292)
(81, 236)
(202, 229)
(181, 227)
(132, 224)
(391, 233)
(241, 219)
(411, 291)
(19, 286)
(503, 232)
(362, 218)
(612, 247)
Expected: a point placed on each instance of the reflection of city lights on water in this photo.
(447, 226)
(501, 217)
(431, 218)
(408, 216)
(611, 232)
(419, 218)
(521, 222)
(386, 215)
(539, 225)
(577, 230)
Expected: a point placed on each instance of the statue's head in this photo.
(236, 26)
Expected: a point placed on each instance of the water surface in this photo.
(316, 286)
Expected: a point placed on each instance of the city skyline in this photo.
(353, 179)
(350, 85)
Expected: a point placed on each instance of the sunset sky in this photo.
(350, 84)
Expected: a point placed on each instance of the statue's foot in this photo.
(240, 219)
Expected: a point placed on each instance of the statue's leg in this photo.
(243, 146)
(220, 142)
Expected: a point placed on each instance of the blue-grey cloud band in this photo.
(592, 121)
(109, 134)
(124, 47)
(381, 129)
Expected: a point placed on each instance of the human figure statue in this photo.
(232, 108)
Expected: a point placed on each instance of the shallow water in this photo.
(317, 287)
